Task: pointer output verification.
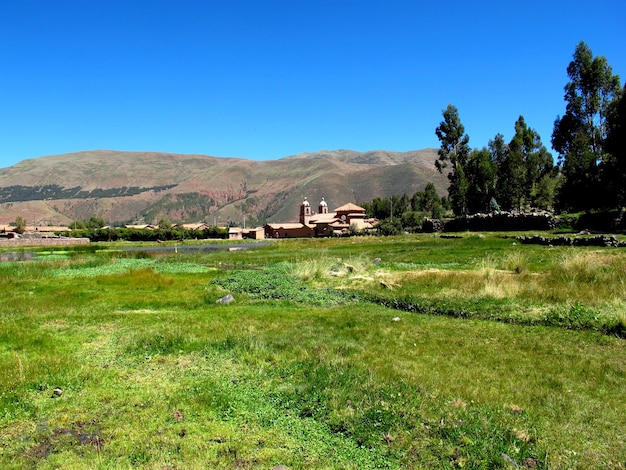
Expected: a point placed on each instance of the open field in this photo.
(474, 352)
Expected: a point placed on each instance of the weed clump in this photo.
(278, 283)
(576, 317)
(322, 268)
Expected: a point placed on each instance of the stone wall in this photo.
(597, 240)
(502, 221)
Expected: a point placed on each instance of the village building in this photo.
(197, 226)
(323, 223)
(257, 233)
(141, 226)
(43, 230)
(237, 233)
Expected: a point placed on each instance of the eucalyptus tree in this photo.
(513, 169)
(499, 151)
(540, 173)
(530, 163)
(378, 208)
(616, 148)
(399, 204)
(428, 201)
(481, 178)
(579, 136)
(453, 155)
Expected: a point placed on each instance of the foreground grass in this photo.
(154, 374)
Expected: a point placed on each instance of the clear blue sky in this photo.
(264, 79)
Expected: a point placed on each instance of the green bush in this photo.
(277, 283)
(390, 227)
(144, 235)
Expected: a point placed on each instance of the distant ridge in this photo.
(147, 186)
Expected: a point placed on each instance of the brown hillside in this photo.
(145, 186)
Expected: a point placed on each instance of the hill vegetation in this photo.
(54, 191)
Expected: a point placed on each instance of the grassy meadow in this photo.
(401, 352)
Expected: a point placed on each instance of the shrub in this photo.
(20, 225)
(389, 227)
(278, 283)
(576, 317)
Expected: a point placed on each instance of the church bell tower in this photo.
(305, 212)
(323, 208)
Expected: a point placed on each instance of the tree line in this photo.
(590, 139)
(589, 174)
(398, 213)
(97, 230)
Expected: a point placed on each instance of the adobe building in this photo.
(257, 233)
(323, 223)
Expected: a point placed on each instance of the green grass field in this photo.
(474, 352)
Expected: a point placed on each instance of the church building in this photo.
(323, 223)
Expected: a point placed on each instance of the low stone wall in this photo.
(432, 225)
(42, 241)
(598, 240)
(502, 221)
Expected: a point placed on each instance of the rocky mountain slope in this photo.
(146, 186)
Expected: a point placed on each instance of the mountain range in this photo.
(143, 187)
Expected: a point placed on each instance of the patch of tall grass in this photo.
(577, 289)
(589, 276)
(323, 267)
(515, 261)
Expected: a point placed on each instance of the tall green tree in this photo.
(481, 179)
(454, 155)
(458, 190)
(579, 136)
(540, 173)
(95, 222)
(615, 169)
(525, 171)
(499, 151)
(514, 169)
(400, 204)
(164, 224)
(529, 163)
(579, 187)
(381, 208)
(428, 201)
